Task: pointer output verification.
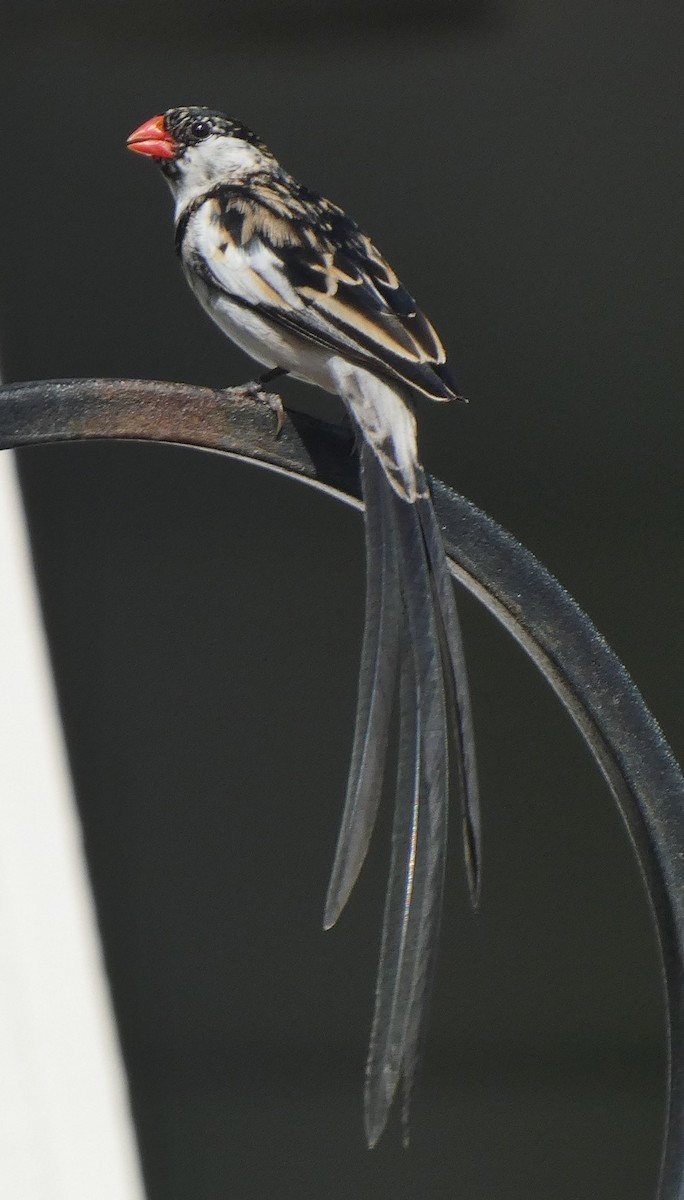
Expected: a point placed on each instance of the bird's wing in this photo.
(304, 265)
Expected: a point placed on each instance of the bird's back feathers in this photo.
(318, 276)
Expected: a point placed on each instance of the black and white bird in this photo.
(296, 284)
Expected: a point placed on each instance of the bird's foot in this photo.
(255, 391)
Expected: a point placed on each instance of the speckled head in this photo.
(198, 149)
(190, 126)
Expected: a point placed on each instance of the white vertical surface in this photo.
(65, 1127)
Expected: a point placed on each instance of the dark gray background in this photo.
(519, 163)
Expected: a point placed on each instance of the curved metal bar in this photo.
(602, 700)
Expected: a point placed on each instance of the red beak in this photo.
(153, 139)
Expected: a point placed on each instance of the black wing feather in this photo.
(339, 274)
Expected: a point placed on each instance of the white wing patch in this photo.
(251, 273)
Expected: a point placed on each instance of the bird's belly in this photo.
(264, 341)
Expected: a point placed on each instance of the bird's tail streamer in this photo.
(411, 632)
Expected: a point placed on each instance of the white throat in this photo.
(217, 160)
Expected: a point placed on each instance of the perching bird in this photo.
(295, 283)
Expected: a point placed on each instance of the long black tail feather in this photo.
(458, 695)
(414, 894)
(411, 630)
(396, 967)
(377, 682)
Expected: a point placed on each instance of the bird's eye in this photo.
(200, 129)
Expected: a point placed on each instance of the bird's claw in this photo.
(255, 391)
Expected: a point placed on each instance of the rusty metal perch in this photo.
(594, 687)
